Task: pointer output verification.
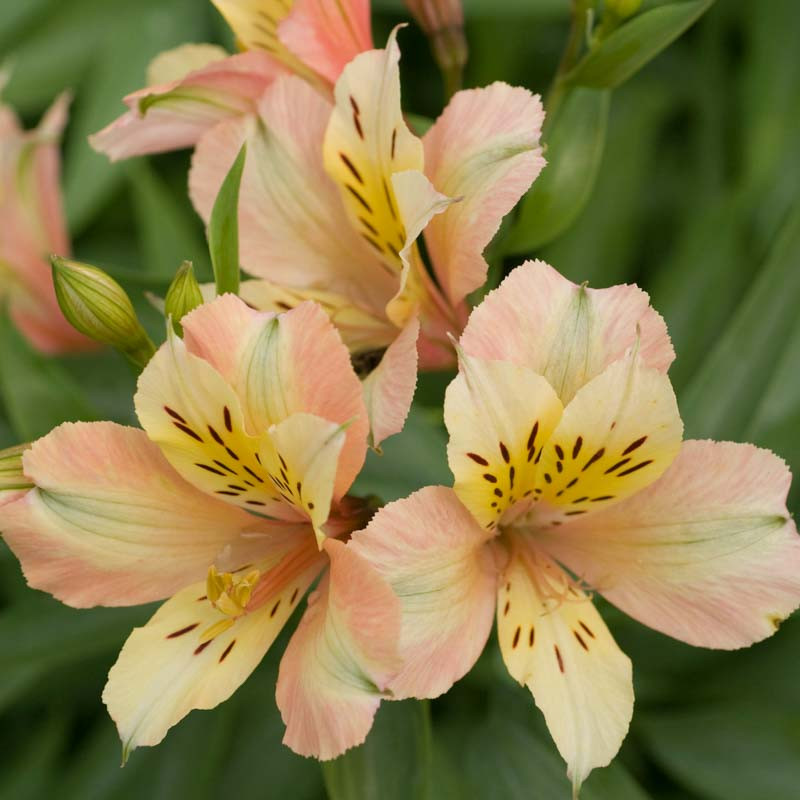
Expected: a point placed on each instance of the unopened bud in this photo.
(13, 482)
(443, 23)
(97, 306)
(183, 295)
(622, 9)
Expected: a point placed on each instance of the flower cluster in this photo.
(231, 502)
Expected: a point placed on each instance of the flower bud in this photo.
(97, 306)
(443, 23)
(183, 295)
(622, 8)
(13, 482)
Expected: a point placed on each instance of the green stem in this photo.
(572, 49)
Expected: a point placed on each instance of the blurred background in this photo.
(697, 169)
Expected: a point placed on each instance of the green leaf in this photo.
(728, 751)
(169, 230)
(505, 759)
(574, 152)
(223, 229)
(724, 394)
(630, 47)
(393, 764)
(414, 458)
(37, 392)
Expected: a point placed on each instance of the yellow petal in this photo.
(620, 432)
(366, 142)
(554, 642)
(498, 415)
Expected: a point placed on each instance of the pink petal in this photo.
(389, 388)
(434, 555)
(110, 521)
(283, 365)
(707, 554)
(566, 332)
(326, 34)
(341, 658)
(485, 149)
(177, 114)
(293, 227)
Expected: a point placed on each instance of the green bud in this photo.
(12, 476)
(97, 306)
(622, 9)
(183, 295)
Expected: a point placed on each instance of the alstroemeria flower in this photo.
(32, 226)
(334, 197)
(570, 477)
(251, 412)
(193, 87)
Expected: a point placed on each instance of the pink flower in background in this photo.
(231, 502)
(195, 86)
(32, 226)
(571, 477)
(335, 196)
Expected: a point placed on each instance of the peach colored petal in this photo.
(327, 34)
(293, 227)
(434, 555)
(485, 149)
(167, 667)
(283, 365)
(110, 522)
(707, 554)
(340, 659)
(568, 333)
(389, 388)
(177, 114)
(554, 642)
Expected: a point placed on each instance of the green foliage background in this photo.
(696, 199)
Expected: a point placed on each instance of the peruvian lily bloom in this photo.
(33, 227)
(571, 477)
(231, 502)
(334, 197)
(195, 86)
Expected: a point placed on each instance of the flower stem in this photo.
(569, 57)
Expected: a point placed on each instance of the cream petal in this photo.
(171, 665)
(554, 642)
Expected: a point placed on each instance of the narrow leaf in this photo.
(630, 47)
(723, 396)
(223, 229)
(574, 152)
